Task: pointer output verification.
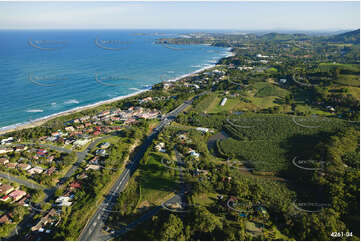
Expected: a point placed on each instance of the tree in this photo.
(205, 221)
(172, 229)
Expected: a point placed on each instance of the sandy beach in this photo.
(43, 120)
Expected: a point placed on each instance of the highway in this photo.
(93, 229)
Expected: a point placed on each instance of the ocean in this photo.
(46, 72)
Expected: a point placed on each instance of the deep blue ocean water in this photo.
(45, 72)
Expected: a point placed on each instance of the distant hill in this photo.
(284, 37)
(352, 37)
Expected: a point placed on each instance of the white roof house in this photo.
(224, 100)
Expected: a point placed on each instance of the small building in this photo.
(105, 145)
(6, 189)
(6, 150)
(101, 152)
(20, 148)
(160, 147)
(92, 167)
(5, 198)
(224, 100)
(75, 185)
(203, 130)
(5, 219)
(11, 165)
(24, 166)
(70, 129)
(17, 195)
(51, 170)
(37, 170)
(4, 161)
(63, 201)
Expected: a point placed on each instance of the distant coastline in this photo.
(42, 120)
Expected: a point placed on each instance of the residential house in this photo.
(81, 142)
(105, 145)
(50, 217)
(63, 201)
(4, 161)
(6, 189)
(41, 152)
(160, 147)
(17, 195)
(203, 130)
(37, 170)
(92, 167)
(7, 141)
(20, 148)
(94, 160)
(101, 152)
(75, 185)
(5, 198)
(194, 154)
(51, 170)
(24, 166)
(224, 100)
(22, 201)
(6, 218)
(5, 150)
(70, 129)
(11, 165)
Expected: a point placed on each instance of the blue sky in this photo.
(181, 15)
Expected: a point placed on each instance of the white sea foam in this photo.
(34, 111)
(134, 89)
(72, 101)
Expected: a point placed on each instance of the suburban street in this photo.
(93, 229)
(23, 182)
(50, 191)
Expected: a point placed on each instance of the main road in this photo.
(93, 229)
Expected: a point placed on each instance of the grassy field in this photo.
(204, 199)
(265, 89)
(348, 67)
(262, 95)
(349, 80)
(155, 179)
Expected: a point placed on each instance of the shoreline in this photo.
(38, 122)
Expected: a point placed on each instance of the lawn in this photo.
(348, 67)
(215, 106)
(349, 80)
(204, 199)
(156, 180)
